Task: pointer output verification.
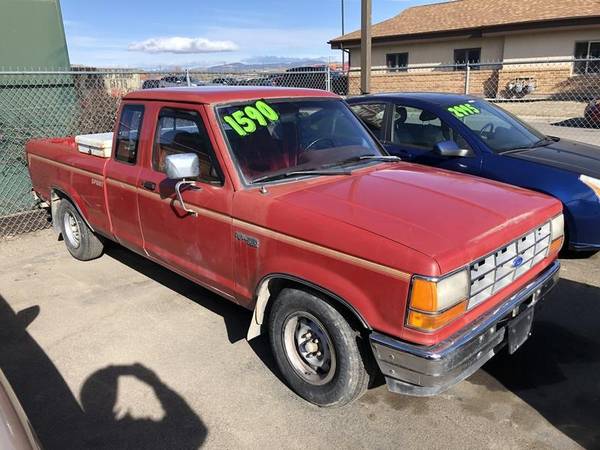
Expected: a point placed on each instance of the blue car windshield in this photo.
(498, 129)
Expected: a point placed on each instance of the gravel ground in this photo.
(121, 353)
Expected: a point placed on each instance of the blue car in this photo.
(470, 135)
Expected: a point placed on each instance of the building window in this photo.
(467, 55)
(397, 62)
(590, 51)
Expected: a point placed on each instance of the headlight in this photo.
(557, 232)
(558, 227)
(592, 183)
(434, 303)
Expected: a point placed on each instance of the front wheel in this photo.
(80, 240)
(316, 350)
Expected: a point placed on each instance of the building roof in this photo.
(469, 15)
(223, 94)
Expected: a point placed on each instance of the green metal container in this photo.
(32, 103)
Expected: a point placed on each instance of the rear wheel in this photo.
(80, 240)
(316, 349)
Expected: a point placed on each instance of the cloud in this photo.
(177, 44)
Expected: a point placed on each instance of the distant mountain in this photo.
(271, 64)
(281, 60)
(255, 64)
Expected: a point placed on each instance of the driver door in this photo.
(198, 246)
(413, 133)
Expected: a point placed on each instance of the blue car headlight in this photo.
(592, 183)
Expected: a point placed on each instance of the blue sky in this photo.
(136, 33)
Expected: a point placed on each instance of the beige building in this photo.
(416, 46)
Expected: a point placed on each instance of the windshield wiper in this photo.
(293, 173)
(326, 170)
(388, 158)
(546, 140)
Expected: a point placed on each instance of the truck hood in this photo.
(568, 155)
(450, 217)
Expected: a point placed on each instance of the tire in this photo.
(80, 240)
(342, 377)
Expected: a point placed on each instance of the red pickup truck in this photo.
(282, 201)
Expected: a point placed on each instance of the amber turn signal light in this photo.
(435, 302)
(423, 295)
(431, 322)
(556, 245)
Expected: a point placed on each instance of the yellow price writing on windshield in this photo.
(247, 119)
(463, 110)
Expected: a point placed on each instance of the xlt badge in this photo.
(251, 241)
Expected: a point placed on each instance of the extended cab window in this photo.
(419, 128)
(128, 133)
(182, 131)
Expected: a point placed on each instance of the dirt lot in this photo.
(120, 353)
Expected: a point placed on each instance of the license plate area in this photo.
(519, 329)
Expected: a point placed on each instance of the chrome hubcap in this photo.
(308, 348)
(72, 231)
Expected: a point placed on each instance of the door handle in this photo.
(149, 185)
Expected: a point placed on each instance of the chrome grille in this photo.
(501, 268)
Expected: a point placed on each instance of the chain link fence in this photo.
(37, 104)
(558, 97)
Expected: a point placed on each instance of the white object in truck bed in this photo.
(99, 144)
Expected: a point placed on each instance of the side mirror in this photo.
(182, 166)
(451, 148)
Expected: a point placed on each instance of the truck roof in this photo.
(223, 94)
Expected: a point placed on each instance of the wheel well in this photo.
(270, 287)
(56, 196)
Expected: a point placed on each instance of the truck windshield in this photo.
(497, 128)
(288, 137)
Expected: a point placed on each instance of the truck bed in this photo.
(56, 163)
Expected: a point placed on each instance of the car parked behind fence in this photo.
(172, 81)
(314, 77)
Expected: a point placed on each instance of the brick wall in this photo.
(434, 81)
(548, 80)
(554, 81)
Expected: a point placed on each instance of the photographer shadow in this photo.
(179, 428)
(57, 417)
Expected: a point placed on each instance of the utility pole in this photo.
(342, 44)
(365, 47)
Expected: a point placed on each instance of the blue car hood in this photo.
(568, 155)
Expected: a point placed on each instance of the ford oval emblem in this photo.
(517, 261)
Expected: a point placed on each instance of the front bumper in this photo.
(424, 371)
